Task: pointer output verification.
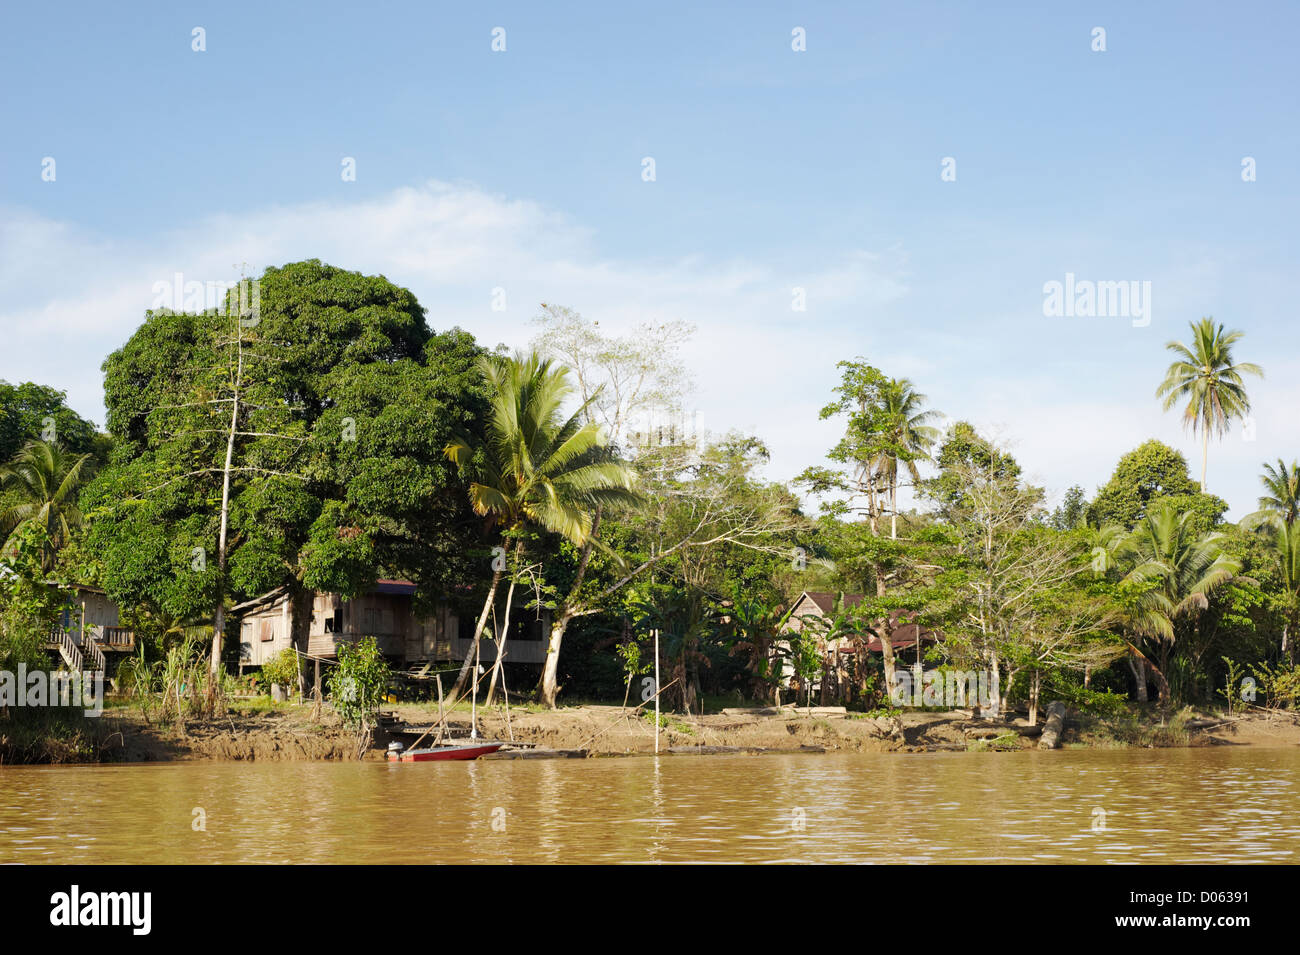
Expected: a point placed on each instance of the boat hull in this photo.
(440, 753)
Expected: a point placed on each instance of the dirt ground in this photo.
(288, 732)
(282, 734)
(611, 730)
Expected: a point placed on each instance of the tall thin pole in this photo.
(219, 619)
(473, 705)
(656, 692)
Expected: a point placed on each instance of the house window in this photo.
(334, 622)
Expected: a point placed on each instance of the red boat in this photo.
(467, 751)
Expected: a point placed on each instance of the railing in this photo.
(68, 648)
(90, 650)
(118, 636)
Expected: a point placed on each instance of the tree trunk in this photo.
(1205, 455)
(1035, 685)
(1135, 664)
(1004, 704)
(1051, 737)
(893, 510)
(547, 688)
(886, 640)
(995, 688)
(219, 618)
(1162, 685)
(502, 637)
(462, 678)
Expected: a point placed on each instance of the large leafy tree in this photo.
(535, 464)
(1150, 475)
(40, 486)
(887, 431)
(1209, 380)
(963, 453)
(30, 412)
(340, 474)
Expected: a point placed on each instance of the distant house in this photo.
(387, 613)
(89, 629)
(815, 603)
(838, 654)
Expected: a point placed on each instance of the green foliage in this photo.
(358, 684)
(283, 668)
(965, 452)
(1072, 512)
(351, 399)
(29, 607)
(40, 486)
(1280, 683)
(1233, 686)
(173, 687)
(1206, 377)
(535, 462)
(1149, 475)
(26, 412)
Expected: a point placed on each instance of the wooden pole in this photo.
(473, 706)
(505, 695)
(315, 692)
(442, 720)
(656, 692)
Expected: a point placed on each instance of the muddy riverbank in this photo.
(289, 732)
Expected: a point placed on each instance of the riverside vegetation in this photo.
(338, 439)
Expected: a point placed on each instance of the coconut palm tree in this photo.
(40, 486)
(1207, 377)
(909, 438)
(534, 465)
(1172, 571)
(1278, 520)
(1282, 491)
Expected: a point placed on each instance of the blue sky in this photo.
(774, 169)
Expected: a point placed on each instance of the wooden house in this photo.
(838, 652)
(89, 631)
(386, 612)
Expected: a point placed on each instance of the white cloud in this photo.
(68, 297)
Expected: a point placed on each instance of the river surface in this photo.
(1115, 806)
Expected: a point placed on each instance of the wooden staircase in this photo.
(68, 649)
(76, 655)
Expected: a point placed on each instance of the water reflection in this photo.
(1205, 805)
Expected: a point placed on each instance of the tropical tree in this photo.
(1284, 539)
(535, 465)
(1276, 521)
(1171, 571)
(336, 471)
(1210, 381)
(1281, 490)
(40, 487)
(907, 438)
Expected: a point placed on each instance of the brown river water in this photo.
(1177, 805)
